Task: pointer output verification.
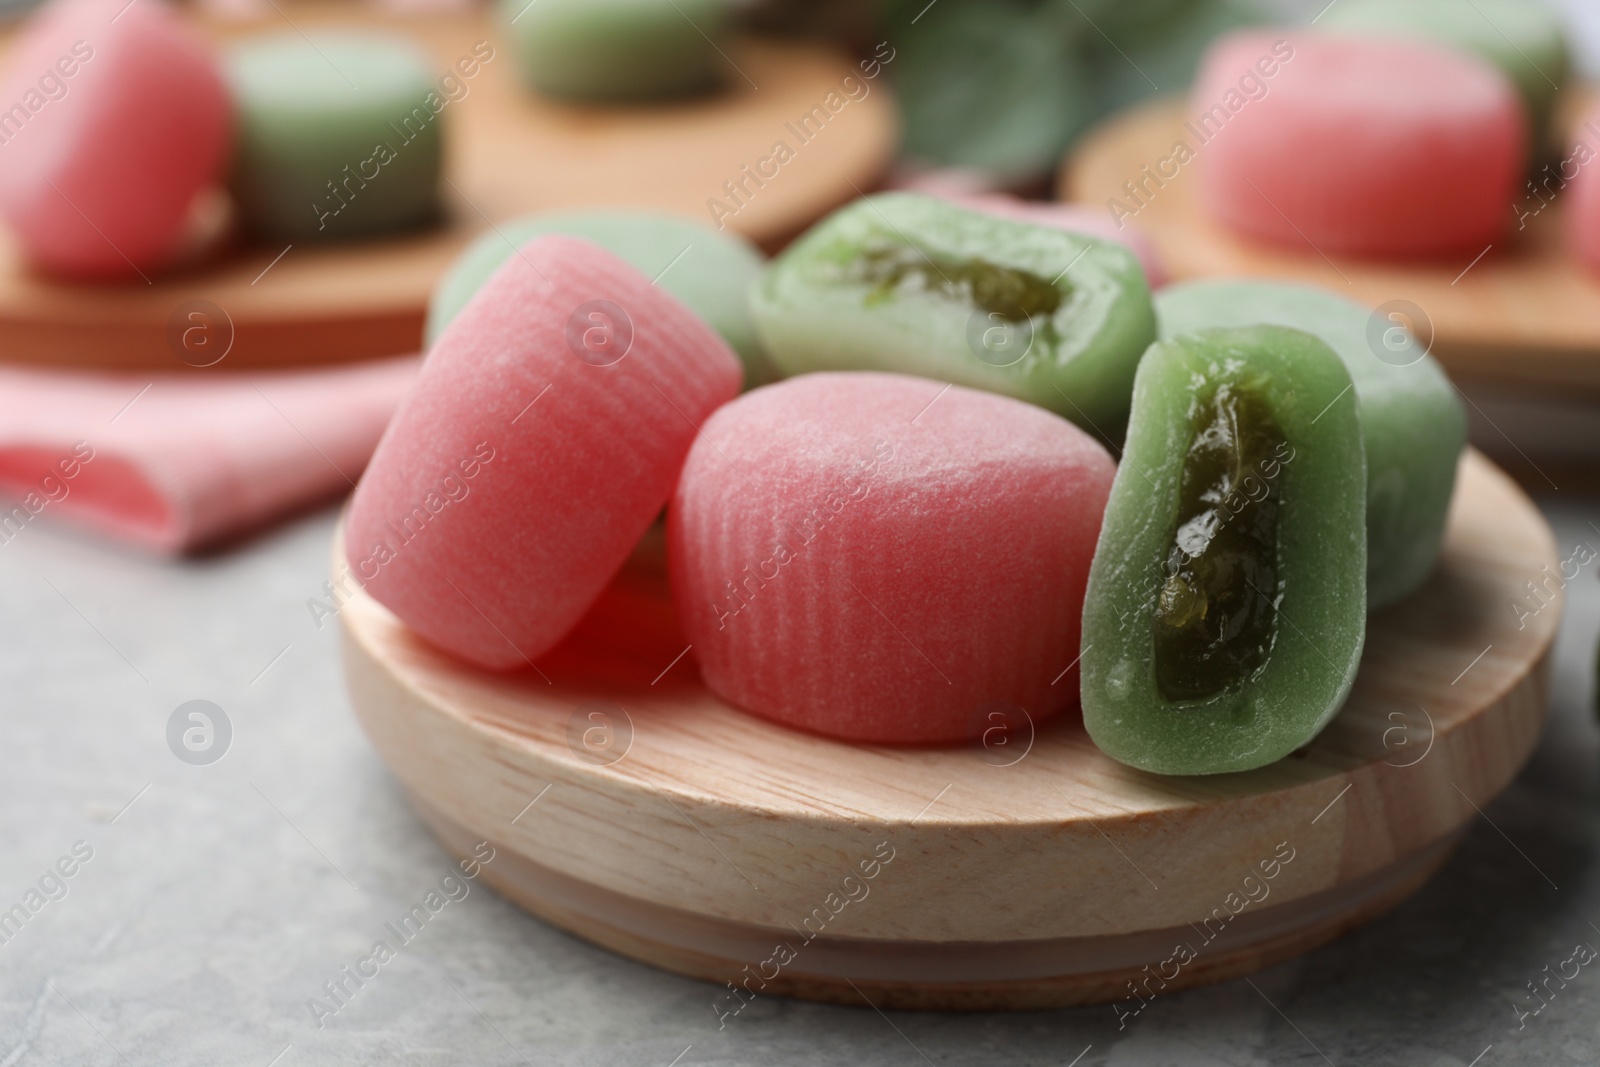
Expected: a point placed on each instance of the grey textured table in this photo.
(220, 898)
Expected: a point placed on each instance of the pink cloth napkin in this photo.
(173, 463)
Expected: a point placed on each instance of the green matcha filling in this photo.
(1215, 616)
(1014, 295)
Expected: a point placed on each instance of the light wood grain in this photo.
(945, 975)
(1527, 314)
(739, 825)
(509, 152)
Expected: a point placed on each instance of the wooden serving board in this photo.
(509, 152)
(1526, 314)
(629, 805)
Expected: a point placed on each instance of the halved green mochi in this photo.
(1226, 606)
(908, 283)
(1410, 418)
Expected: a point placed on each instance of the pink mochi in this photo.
(1583, 210)
(1366, 146)
(113, 117)
(542, 437)
(881, 558)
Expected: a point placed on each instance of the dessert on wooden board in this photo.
(881, 558)
(348, 182)
(936, 463)
(887, 552)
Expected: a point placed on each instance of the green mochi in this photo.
(912, 284)
(1524, 38)
(619, 50)
(338, 135)
(1318, 605)
(1413, 424)
(709, 270)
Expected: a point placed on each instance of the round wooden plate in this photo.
(629, 805)
(509, 152)
(1527, 313)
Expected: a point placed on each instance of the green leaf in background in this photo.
(995, 86)
(1108, 25)
(1167, 54)
(1006, 87)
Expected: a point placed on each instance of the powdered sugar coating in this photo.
(1369, 146)
(523, 467)
(98, 179)
(883, 558)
